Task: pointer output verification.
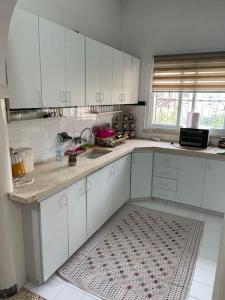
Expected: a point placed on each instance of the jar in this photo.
(72, 160)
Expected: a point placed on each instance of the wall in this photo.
(41, 134)
(99, 19)
(161, 27)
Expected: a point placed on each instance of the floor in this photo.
(203, 279)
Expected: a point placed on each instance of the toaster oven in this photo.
(195, 138)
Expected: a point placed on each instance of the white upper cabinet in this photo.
(75, 68)
(117, 90)
(52, 53)
(135, 80)
(127, 78)
(98, 73)
(190, 180)
(46, 67)
(213, 196)
(23, 61)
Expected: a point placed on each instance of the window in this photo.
(189, 83)
(170, 109)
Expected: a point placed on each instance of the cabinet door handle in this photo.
(121, 97)
(102, 97)
(68, 96)
(112, 170)
(117, 168)
(124, 97)
(98, 97)
(62, 96)
(89, 186)
(83, 188)
(37, 97)
(63, 201)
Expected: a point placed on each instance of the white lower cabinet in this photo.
(191, 180)
(77, 222)
(99, 199)
(213, 196)
(122, 181)
(107, 190)
(54, 233)
(141, 175)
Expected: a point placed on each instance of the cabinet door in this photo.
(75, 68)
(190, 180)
(135, 80)
(52, 53)
(23, 61)
(127, 78)
(122, 181)
(92, 72)
(213, 196)
(54, 233)
(77, 215)
(100, 204)
(117, 89)
(105, 75)
(141, 175)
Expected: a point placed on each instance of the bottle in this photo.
(59, 149)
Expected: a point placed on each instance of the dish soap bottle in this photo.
(59, 149)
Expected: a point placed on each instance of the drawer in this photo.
(165, 172)
(166, 160)
(164, 194)
(165, 183)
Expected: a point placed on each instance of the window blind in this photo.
(190, 72)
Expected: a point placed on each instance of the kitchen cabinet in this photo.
(52, 54)
(141, 175)
(54, 233)
(213, 195)
(122, 181)
(23, 61)
(191, 180)
(75, 68)
(165, 173)
(127, 78)
(99, 199)
(135, 80)
(117, 86)
(98, 73)
(77, 215)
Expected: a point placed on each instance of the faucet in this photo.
(80, 139)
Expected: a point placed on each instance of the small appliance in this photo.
(194, 138)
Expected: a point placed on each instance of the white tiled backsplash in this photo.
(40, 134)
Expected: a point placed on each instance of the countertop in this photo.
(51, 177)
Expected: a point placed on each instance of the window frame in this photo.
(176, 128)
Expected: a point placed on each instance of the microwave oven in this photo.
(195, 138)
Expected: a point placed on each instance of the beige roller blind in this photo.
(189, 72)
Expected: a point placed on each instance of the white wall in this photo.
(98, 19)
(160, 27)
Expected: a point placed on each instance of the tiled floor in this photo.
(204, 274)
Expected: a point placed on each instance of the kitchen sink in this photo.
(96, 153)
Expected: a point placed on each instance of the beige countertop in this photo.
(50, 177)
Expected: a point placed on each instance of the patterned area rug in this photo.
(24, 294)
(138, 254)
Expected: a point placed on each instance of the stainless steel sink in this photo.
(96, 153)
